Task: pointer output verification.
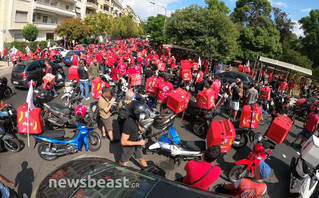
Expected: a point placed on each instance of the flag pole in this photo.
(28, 128)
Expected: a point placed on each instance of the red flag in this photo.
(23, 46)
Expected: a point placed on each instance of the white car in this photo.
(62, 51)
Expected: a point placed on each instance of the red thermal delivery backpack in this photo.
(35, 120)
(265, 93)
(279, 129)
(185, 64)
(186, 75)
(178, 100)
(48, 81)
(221, 132)
(250, 116)
(205, 99)
(73, 73)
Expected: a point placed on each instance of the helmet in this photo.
(80, 110)
(286, 100)
(258, 137)
(139, 110)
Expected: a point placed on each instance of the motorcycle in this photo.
(202, 123)
(261, 151)
(10, 141)
(58, 116)
(304, 172)
(54, 144)
(72, 94)
(5, 91)
(42, 96)
(304, 105)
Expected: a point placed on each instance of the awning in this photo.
(176, 47)
(286, 65)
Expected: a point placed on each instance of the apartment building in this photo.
(47, 15)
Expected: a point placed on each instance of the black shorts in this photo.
(129, 151)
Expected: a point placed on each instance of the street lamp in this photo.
(152, 2)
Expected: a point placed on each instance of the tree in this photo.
(217, 5)
(30, 32)
(283, 24)
(74, 29)
(210, 33)
(154, 27)
(252, 12)
(125, 27)
(98, 24)
(310, 42)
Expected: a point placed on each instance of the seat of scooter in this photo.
(59, 107)
(194, 145)
(191, 104)
(54, 134)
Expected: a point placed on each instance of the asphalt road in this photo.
(35, 168)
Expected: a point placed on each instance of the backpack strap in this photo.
(192, 183)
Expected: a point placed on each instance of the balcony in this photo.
(59, 10)
(92, 5)
(70, 1)
(107, 2)
(45, 26)
(106, 12)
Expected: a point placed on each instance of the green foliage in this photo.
(30, 32)
(253, 13)
(283, 24)
(310, 42)
(98, 23)
(292, 56)
(209, 32)
(154, 27)
(19, 45)
(74, 29)
(217, 5)
(125, 27)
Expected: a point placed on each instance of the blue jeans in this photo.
(4, 114)
(84, 86)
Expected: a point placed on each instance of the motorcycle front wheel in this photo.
(94, 141)
(12, 145)
(45, 147)
(7, 92)
(199, 128)
(237, 172)
(240, 141)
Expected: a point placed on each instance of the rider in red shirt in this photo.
(164, 88)
(251, 188)
(283, 86)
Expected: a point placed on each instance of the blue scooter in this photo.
(53, 144)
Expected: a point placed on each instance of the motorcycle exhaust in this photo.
(53, 154)
(54, 122)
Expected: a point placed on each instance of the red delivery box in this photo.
(73, 73)
(162, 67)
(250, 116)
(48, 81)
(279, 129)
(151, 85)
(195, 66)
(35, 120)
(186, 75)
(246, 70)
(240, 68)
(221, 132)
(97, 85)
(135, 79)
(178, 100)
(265, 93)
(185, 64)
(205, 99)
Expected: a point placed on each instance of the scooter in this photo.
(10, 141)
(72, 94)
(304, 172)
(261, 151)
(178, 149)
(5, 91)
(54, 144)
(59, 116)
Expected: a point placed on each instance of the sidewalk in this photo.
(5, 64)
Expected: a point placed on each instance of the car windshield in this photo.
(117, 182)
(19, 68)
(69, 54)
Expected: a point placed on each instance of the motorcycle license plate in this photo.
(15, 82)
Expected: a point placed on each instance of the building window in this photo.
(18, 36)
(21, 16)
(78, 10)
(67, 7)
(45, 19)
(47, 1)
(54, 20)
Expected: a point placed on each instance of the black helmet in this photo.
(286, 100)
(139, 110)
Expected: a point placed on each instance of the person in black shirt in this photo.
(131, 139)
(281, 109)
(205, 84)
(236, 91)
(84, 80)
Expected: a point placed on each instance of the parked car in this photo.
(139, 183)
(61, 50)
(230, 77)
(67, 59)
(24, 71)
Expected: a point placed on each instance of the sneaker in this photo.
(88, 98)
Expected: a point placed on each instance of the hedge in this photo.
(32, 45)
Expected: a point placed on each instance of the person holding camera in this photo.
(132, 137)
